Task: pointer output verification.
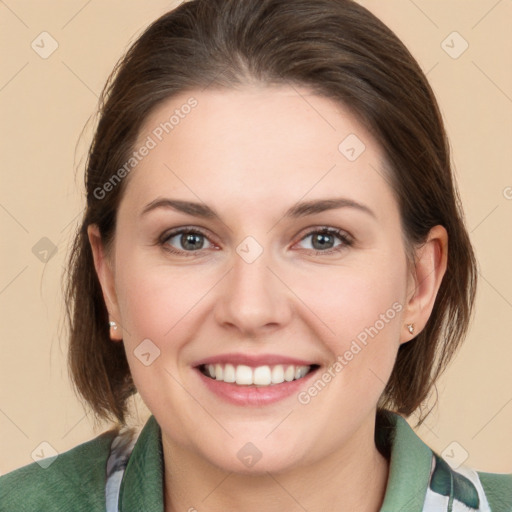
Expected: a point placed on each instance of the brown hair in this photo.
(339, 50)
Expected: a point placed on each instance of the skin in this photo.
(251, 154)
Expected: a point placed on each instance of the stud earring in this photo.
(410, 328)
(113, 325)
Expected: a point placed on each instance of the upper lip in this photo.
(252, 360)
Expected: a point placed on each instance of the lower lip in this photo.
(254, 395)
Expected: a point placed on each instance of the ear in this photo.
(104, 270)
(424, 281)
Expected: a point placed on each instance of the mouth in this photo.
(259, 376)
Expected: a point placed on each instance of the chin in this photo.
(247, 458)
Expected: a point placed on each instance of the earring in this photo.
(113, 325)
(410, 328)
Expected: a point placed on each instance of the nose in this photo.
(252, 298)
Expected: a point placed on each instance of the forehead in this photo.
(260, 143)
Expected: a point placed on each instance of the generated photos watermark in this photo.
(151, 142)
(356, 346)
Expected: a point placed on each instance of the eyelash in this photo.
(346, 240)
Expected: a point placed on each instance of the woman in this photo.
(273, 255)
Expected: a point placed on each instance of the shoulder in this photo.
(467, 489)
(498, 490)
(75, 479)
(421, 480)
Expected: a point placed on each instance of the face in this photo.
(262, 280)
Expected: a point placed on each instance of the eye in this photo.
(192, 241)
(185, 240)
(323, 240)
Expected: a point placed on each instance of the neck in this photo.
(354, 478)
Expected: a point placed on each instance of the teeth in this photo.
(262, 376)
(289, 374)
(278, 374)
(244, 375)
(229, 373)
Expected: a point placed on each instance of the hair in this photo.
(337, 49)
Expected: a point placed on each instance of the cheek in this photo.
(155, 299)
(348, 301)
(148, 307)
(359, 312)
(158, 305)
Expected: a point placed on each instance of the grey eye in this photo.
(187, 241)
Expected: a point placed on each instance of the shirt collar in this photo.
(409, 469)
(410, 464)
(142, 484)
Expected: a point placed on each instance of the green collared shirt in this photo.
(419, 480)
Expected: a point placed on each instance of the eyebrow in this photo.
(298, 210)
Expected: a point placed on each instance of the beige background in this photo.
(46, 102)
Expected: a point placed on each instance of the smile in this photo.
(243, 375)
